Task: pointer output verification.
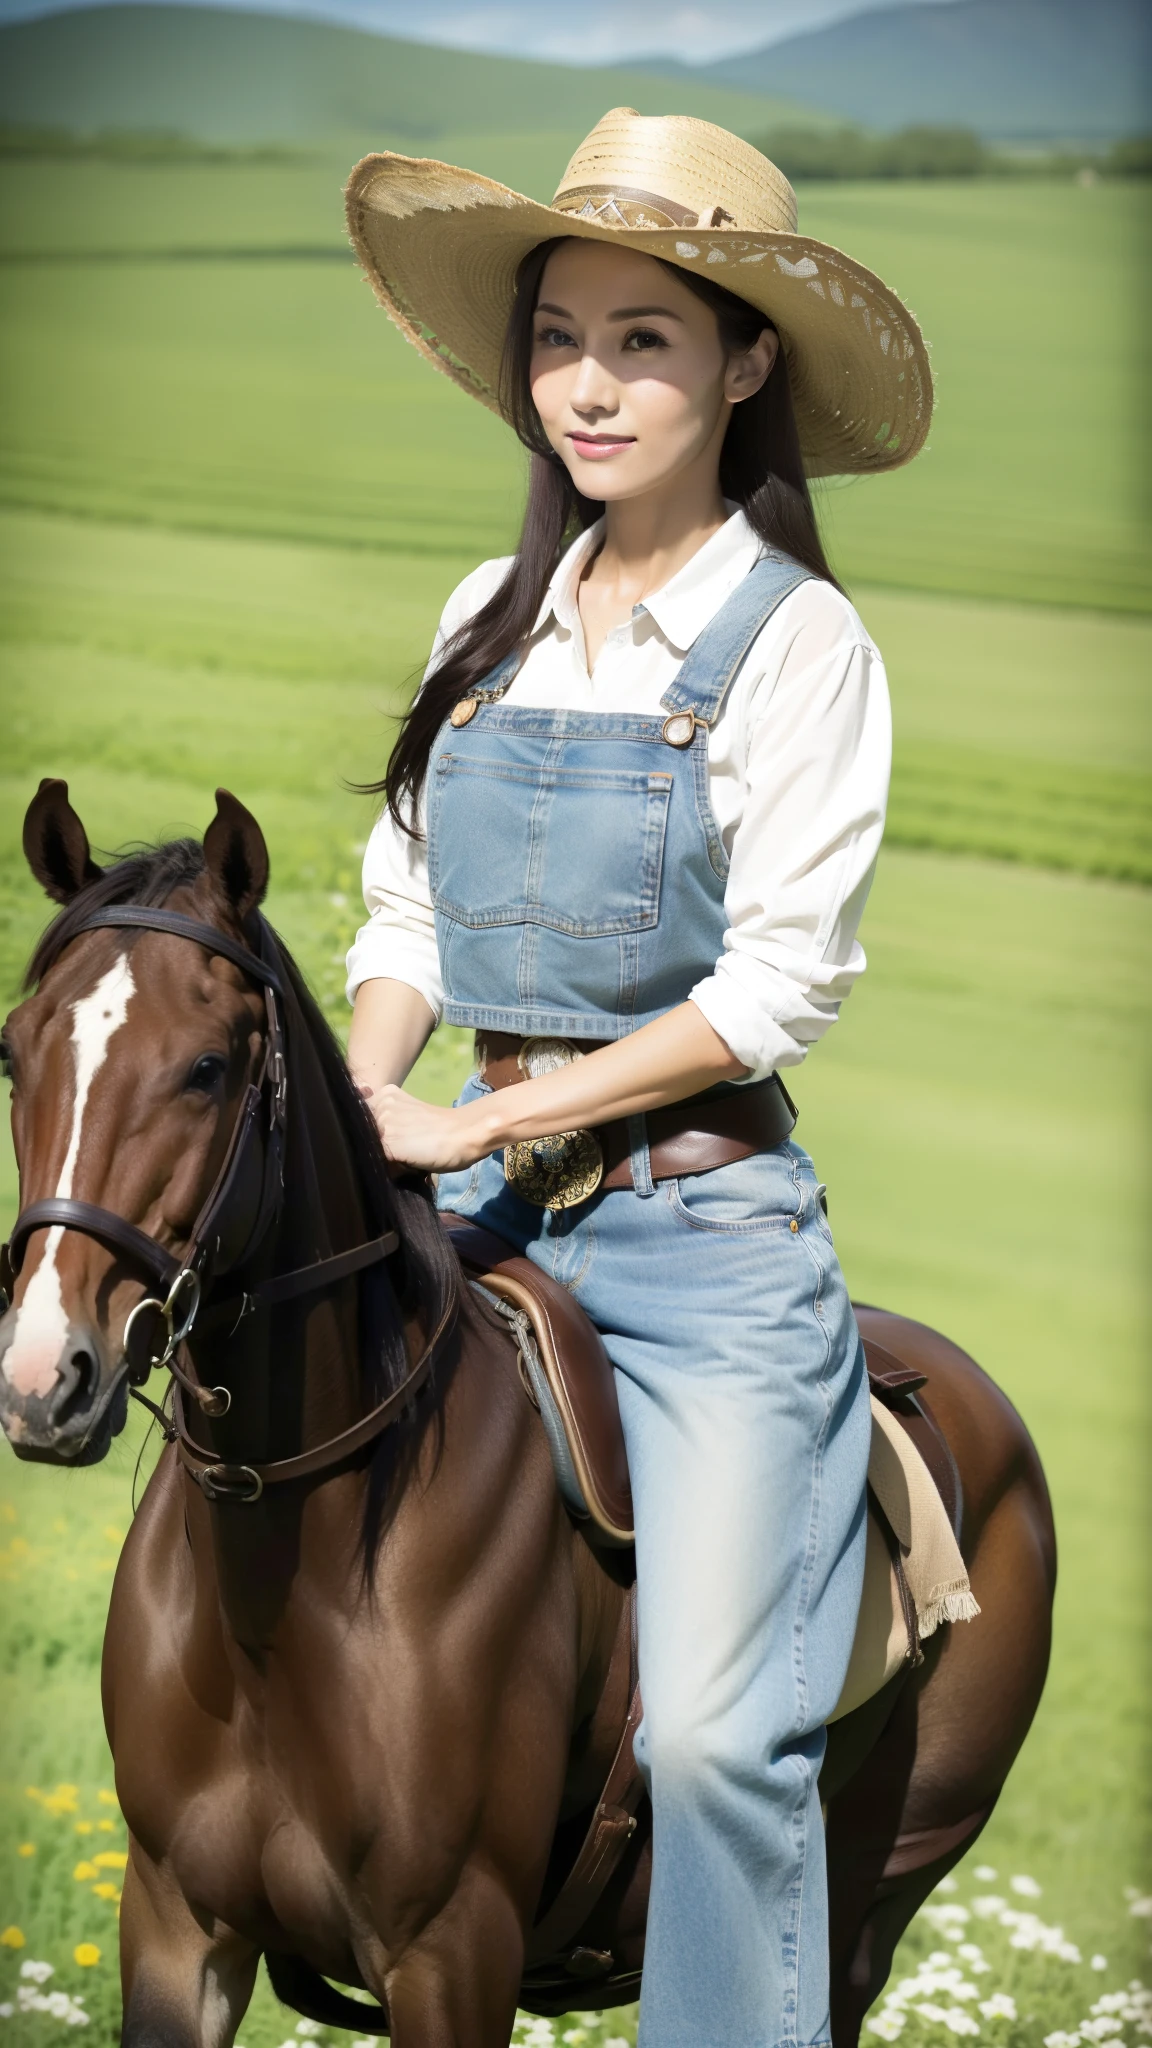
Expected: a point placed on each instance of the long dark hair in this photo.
(760, 467)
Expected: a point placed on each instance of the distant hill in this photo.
(1044, 69)
(226, 76)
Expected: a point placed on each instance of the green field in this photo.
(231, 506)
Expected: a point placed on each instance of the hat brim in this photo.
(441, 247)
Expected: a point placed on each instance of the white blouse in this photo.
(798, 760)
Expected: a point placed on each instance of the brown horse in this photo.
(359, 1680)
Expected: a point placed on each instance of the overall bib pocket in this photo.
(484, 870)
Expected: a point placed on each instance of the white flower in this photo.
(946, 1884)
(1099, 2030)
(37, 1973)
(7, 2009)
(308, 2029)
(887, 2024)
(984, 1873)
(1027, 1887)
(616, 2041)
(928, 2011)
(959, 2021)
(988, 1905)
(1098, 1963)
(1141, 1907)
(999, 2007)
(1061, 2040)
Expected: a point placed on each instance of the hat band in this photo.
(626, 206)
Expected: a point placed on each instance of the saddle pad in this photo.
(934, 1570)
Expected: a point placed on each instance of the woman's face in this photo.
(628, 374)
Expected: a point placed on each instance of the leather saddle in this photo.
(568, 1376)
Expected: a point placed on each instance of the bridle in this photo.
(234, 1221)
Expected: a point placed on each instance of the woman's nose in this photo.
(593, 390)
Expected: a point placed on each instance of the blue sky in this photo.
(583, 31)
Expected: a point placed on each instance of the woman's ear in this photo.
(747, 372)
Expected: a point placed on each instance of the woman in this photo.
(631, 824)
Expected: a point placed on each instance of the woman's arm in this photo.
(677, 1056)
(391, 1025)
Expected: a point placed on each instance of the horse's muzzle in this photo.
(67, 1412)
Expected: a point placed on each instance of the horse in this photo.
(362, 1676)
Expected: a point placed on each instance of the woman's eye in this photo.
(208, 1072)
(554, 337)
(644, 338)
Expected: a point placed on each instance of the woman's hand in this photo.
(418, 1133)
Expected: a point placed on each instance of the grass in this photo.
(272, 397)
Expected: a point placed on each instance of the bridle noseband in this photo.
(224, 1238)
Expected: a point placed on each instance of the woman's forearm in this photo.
(391, 1025)
(679, 1055)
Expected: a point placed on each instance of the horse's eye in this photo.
(5, 1060)
(209, 1070)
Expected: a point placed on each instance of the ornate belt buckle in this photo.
(558, 1171)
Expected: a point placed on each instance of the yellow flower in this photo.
(61, 1801)
(83, 1872)
(11, 1938)
(33, 1792)
(107, 1798)
(114, 1534)
(86, 1953)
(83, 1827)
(106, 1827)
(111, 1859)
(106, 1891)
(7, 1512)
(26, 1849)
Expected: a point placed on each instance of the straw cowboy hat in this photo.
(441, 247)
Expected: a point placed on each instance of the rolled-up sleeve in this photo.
(818, 741)
(398, 943)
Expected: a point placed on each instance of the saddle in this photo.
(914, 1485)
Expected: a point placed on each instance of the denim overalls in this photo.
(577, 876)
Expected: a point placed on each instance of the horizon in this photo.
(609, 33)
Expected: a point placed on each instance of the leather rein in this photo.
(186, 1282)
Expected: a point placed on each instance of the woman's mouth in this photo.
(594, 447)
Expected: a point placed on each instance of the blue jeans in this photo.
(745, 1409)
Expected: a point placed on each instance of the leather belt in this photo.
(684, 1137)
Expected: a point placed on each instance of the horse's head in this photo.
(129, 1064)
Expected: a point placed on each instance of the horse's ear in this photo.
(56, 844)
(235, 855)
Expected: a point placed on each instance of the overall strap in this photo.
(717, 654)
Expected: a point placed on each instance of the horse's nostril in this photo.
(76, 1388)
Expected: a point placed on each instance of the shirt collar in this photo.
(687, 602)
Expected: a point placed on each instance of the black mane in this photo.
(430, 1279)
